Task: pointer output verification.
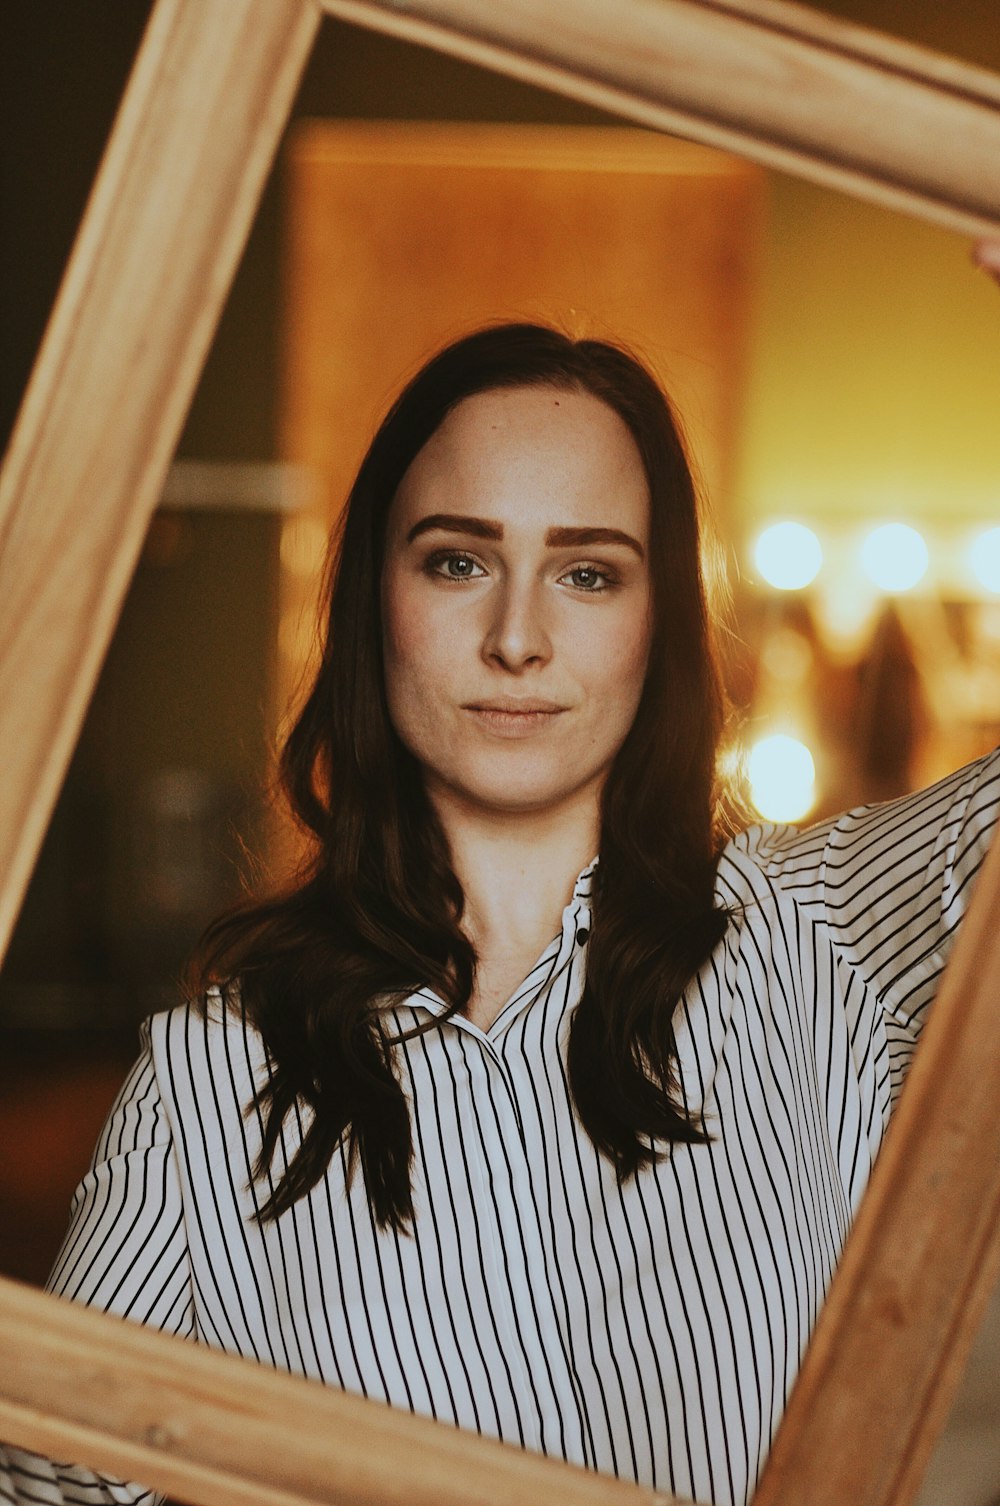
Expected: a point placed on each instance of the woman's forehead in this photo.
(531, 450)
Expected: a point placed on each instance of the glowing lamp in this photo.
(894, 557)
(788, 556)
(782, 777)
(984, 559)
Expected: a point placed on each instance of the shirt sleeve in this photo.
(897, 880)
(125, 1252)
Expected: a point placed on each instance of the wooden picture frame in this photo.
(211, 90)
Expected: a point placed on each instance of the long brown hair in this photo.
(377, 911)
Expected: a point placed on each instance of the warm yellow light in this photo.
(895, 557)
(984, 559)
(782, 777)
(788, 556)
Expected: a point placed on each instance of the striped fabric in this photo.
(651, 1330)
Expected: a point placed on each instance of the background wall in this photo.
(874, 376)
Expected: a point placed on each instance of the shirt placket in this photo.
(541, 1340)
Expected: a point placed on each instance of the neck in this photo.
(517, 872)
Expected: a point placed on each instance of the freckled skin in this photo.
(472, 622)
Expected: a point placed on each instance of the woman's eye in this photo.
(588, 578)
(455, 566)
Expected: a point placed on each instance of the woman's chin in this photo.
(513, 793)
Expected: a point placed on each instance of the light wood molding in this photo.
(173, 201)
(219, 1431)
(793, 89)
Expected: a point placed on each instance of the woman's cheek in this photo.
(406, 618)
(422, 649)
(620, 650)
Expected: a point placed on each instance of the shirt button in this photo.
(581, 935)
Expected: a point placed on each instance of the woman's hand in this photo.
(986, 254)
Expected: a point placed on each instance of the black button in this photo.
(582, 935)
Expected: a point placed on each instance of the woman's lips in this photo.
(509, 719)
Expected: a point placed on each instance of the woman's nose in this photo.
(516, 633)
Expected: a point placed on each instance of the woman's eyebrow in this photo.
(555, 538)
(572, 538)
(449, 522)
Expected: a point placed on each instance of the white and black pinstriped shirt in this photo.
(651, 1330)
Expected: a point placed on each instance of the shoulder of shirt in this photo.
(194, 1039)
(789, 856)
(766, 855)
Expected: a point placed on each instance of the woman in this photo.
(558, 1149)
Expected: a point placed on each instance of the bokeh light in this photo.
(984, 559)
(894, 557)
(782, 777)
(788, 556)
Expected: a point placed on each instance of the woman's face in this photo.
(516, 600)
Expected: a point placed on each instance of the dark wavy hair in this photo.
(376, 910)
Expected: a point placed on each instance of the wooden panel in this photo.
(206, 104)
(776, 82)
(219, 1431)
(405, 235)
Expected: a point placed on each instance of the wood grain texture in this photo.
(835, 103)
(913, 1282)
(167, 219)
(220, 1431)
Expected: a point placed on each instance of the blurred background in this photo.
(835, 367)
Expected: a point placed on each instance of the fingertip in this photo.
(986, 255)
